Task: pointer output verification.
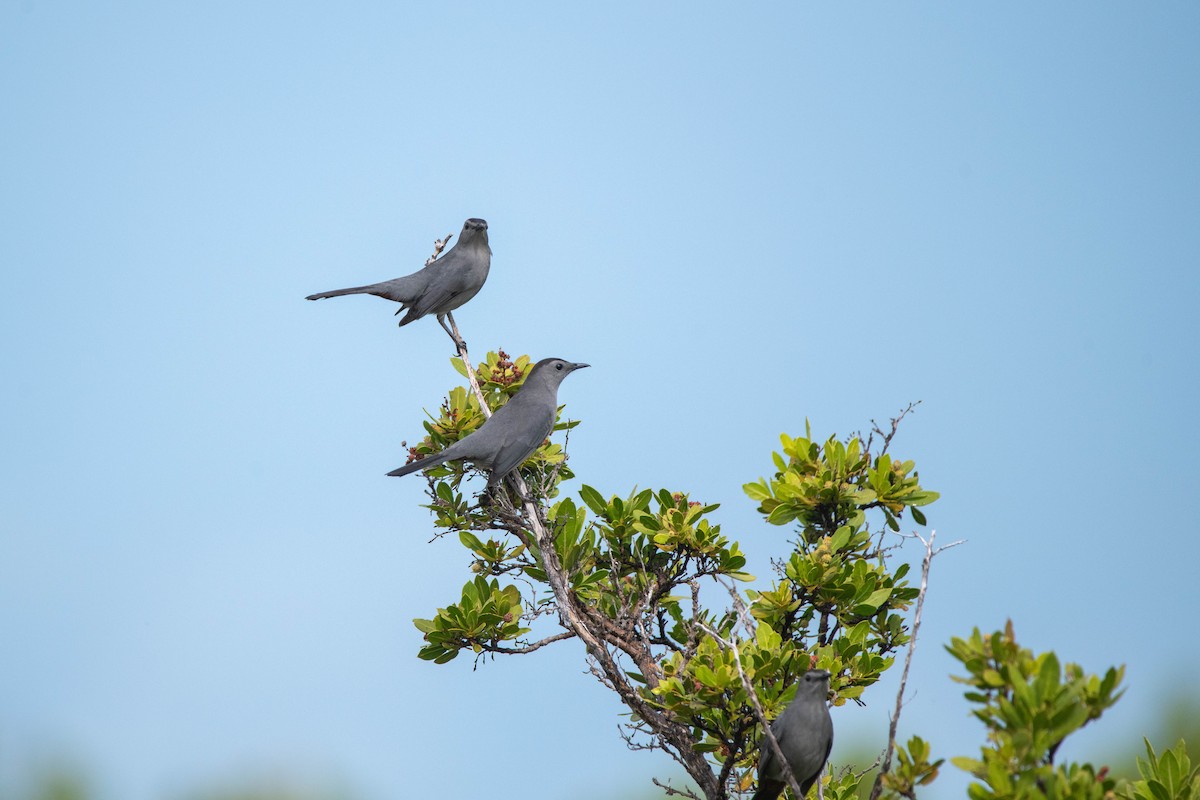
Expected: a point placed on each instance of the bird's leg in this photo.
(452, 332)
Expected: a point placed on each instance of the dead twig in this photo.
(889, 435)
(461, 344)
(670, 790)
(438, 246)
(877, 787)
(529, 648)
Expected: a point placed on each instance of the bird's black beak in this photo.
(579, 366)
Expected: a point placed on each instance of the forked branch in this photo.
(930, 552)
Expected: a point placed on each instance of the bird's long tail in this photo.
(340, 292)
(424, 463)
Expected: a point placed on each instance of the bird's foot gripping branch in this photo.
(646, 581)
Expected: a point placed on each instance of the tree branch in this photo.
(438, 246)
(558, 637)
(462, 353)
(889, 435)
(670, 790)
(877, 787)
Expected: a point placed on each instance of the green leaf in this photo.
(1158, 790)
(593, 500)
(781, 515)
(767, 637)
(707, 676)
(926, 499)
(757, 491)
(967, 764)
(470, 541)
(871, 604)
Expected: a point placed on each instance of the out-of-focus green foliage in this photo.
(913, 768)
(1175, 717)
(63, 782)
(1030, 704)
(1170, 776)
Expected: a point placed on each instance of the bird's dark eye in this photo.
(558, 365)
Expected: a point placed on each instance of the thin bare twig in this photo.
(438, 246)
(670, 790)
(859, 774)
(889, 435)
(877, 787)
(558, 637)
(461, 344)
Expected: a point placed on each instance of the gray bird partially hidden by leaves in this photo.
(805, 734)
(442, 286)
(514, 432)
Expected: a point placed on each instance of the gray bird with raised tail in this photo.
(805, 734)
(502, 443)
(440, 287)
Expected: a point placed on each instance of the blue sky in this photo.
(741, 218)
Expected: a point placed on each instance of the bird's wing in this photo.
(481, 445)
(766, 761)
(448, 280)
(517, 447)
(518, 442)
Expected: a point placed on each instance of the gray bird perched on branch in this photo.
(442, 286)
(805, 734)
(502, 443)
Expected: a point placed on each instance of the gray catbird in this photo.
(440, 287)
(805, 734)
(502, 443)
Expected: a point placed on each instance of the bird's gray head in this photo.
(814, 682)
(551, 371)
(473, 229)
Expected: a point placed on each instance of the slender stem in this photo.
(461, 344)
(877, 787)
(438, 246)
(558, 637)
(672, 791)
